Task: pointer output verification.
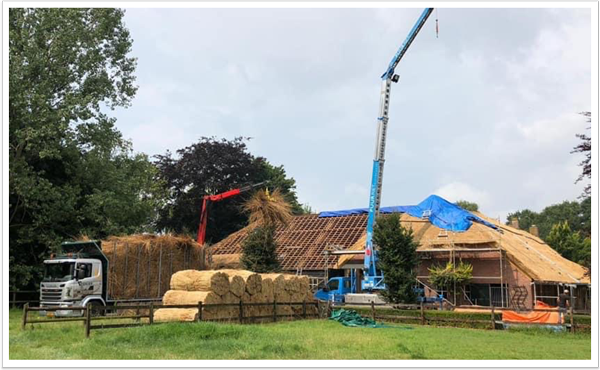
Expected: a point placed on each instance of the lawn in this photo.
(314, 339)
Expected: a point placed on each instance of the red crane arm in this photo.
(216, 198)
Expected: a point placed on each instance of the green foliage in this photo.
(449, 275)
(397, 258)
(213, 166)
(577, 214)
(307, 209)
(469, 206)
(585, 147)
(570, 244)
(258, 250)
(566, 227)
(70, 171)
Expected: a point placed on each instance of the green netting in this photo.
(353, 319)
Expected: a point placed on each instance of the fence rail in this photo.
(423, 319)
(87, 317)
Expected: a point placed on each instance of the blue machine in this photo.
(373, 278)
(337, 288)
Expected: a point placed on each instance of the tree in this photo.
(397, 258)
(469, 206)
(570, 244)
(70, 171)
(213, 166)
(577, 214)
(450, 276)
(585, 146)
(259, 250)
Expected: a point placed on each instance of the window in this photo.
(59, 271)
(347, 284)
(333, 284)
(86, 268)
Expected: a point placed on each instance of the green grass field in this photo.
(315, 339)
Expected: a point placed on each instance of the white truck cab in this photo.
(70, 280)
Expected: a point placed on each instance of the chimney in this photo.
(533, 230)
(514, 222)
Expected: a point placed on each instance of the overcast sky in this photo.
(487, 112)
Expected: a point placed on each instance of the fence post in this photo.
(572, 321)
(25, 309)
(304, 309)
(422, 314)
(88, 320)
(151, 314)
(493, 317)
(14, 299)
(200, 310)
(241, 311)
(373, 310)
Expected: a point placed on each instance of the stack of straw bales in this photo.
(140, 266)
(232, 286)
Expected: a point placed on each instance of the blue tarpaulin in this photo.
(438, 210)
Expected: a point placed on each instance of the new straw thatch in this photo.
(266, 208)
(140, 266)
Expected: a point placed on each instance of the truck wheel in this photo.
(95, 308)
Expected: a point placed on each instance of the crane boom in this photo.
(373, 279)
(207, 199)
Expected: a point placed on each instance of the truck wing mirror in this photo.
(80, 274)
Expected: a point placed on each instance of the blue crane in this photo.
(373, 278)
(343, 289)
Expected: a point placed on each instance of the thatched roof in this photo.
(302, 242)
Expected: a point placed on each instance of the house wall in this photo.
(486, 270)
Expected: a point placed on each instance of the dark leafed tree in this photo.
(585, 147)
(397, 258)
(213, 166)
(469, 206)
(70, 171)
(577, 214)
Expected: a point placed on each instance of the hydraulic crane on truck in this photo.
(342, 289)
(208, 199)
(373, 277)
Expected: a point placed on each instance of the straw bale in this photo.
(268, 209)
(140, 266)
(174, 297)
(267, 293)
(278, 281)
(194, 280)
(282, 296)
(237, 285)
(252, 279)
(175, 314)
(225, 261)
(229, 312)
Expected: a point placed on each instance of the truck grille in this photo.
(50, 294)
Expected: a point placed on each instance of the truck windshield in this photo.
(59, 271)
(333, 284)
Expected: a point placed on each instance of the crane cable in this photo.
(437, 29)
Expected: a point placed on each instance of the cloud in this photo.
(486, 112)
(457, 190)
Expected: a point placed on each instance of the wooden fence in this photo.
(88, 319)
(424, 319)
(19, 297)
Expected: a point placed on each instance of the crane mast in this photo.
(373, 278)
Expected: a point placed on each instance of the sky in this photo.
(486, 112)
